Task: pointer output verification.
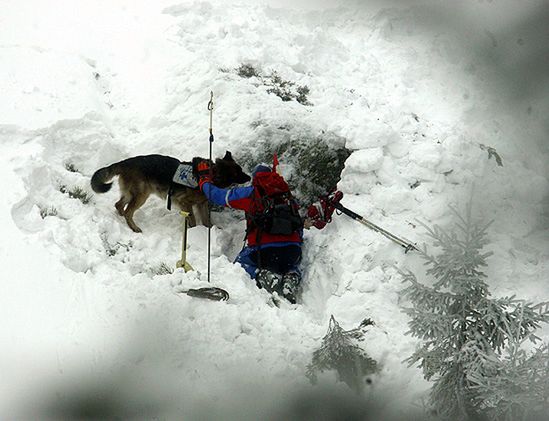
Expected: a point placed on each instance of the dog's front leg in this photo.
(192, 220)
(203, 215)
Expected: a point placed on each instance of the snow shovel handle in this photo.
(406, 244)
(183, 262)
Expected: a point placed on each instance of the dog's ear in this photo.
(195, 162)
(242, 177)
(228, 156)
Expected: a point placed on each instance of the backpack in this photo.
(274, 210)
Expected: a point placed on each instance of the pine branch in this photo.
(425, 325)
(339, 352)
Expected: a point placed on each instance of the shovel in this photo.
(183, 262)
(210, 293)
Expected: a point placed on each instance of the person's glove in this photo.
(320, 213)
(203, 172)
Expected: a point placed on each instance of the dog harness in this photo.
(183, 176)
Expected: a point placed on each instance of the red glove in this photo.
(203, 171)
(320, 213)
(314, 214)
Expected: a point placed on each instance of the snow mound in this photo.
(85, 294)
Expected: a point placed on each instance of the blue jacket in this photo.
(243, 198)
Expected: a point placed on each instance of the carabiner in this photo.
(211, 103)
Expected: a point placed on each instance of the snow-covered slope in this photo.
(87, 85)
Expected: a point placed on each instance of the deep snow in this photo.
(89, 84)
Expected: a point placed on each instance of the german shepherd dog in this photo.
(140, 176)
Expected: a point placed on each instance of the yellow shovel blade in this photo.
(185, 265)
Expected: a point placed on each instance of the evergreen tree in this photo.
(466, 334)
(340, 352)
(520, 388)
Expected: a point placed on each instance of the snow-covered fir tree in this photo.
(470, 341)
(340, 352)
(519, 389)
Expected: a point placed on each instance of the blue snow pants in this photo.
(276, 257)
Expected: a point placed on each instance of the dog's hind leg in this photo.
(125, 196)
(121, 204)
(135, 203)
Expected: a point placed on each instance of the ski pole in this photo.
(406, 244)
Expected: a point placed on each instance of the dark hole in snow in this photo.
(311, 162)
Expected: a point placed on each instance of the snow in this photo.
(84, 86)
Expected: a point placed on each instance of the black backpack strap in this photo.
(172, 186)
(252, 219)
(258, 244)
(170, 192)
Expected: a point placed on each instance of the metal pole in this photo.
(210, 108)
(408, 246)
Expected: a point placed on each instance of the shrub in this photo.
(70, 167)
(47, 211)
(161, 269)
(76, 193)
(312, 163)
(468, 337)
(282, 88)
(301, 97)
(112, 249)
(247, 71)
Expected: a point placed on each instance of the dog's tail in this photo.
(100, 179)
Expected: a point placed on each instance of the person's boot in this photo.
(290, 286)
(271, 281)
